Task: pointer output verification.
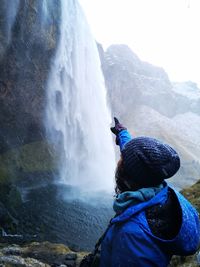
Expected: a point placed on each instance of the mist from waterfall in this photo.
(77, 116)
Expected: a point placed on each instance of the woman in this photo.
(153, 221)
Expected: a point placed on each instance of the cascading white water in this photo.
(77, 115)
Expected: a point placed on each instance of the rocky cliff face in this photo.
(143, 97)
(28, 35)
(29, 32)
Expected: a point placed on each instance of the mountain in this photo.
(148, 103)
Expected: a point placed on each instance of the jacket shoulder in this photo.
(131, 246)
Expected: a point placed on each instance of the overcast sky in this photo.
(165, 33)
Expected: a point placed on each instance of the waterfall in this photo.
(77, 116)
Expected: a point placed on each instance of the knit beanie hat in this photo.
(147, 161)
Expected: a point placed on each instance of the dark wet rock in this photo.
(192, 193)
(20, 262)
(7, 221)
(12, 250)
(28, 35)
(190, 261)
(39, 254)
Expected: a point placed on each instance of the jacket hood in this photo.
(187, 240)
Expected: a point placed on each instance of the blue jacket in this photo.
(129, 241)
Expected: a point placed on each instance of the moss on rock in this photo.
(39, 254)
(193, 195)
(30, 158)
(16, 166)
